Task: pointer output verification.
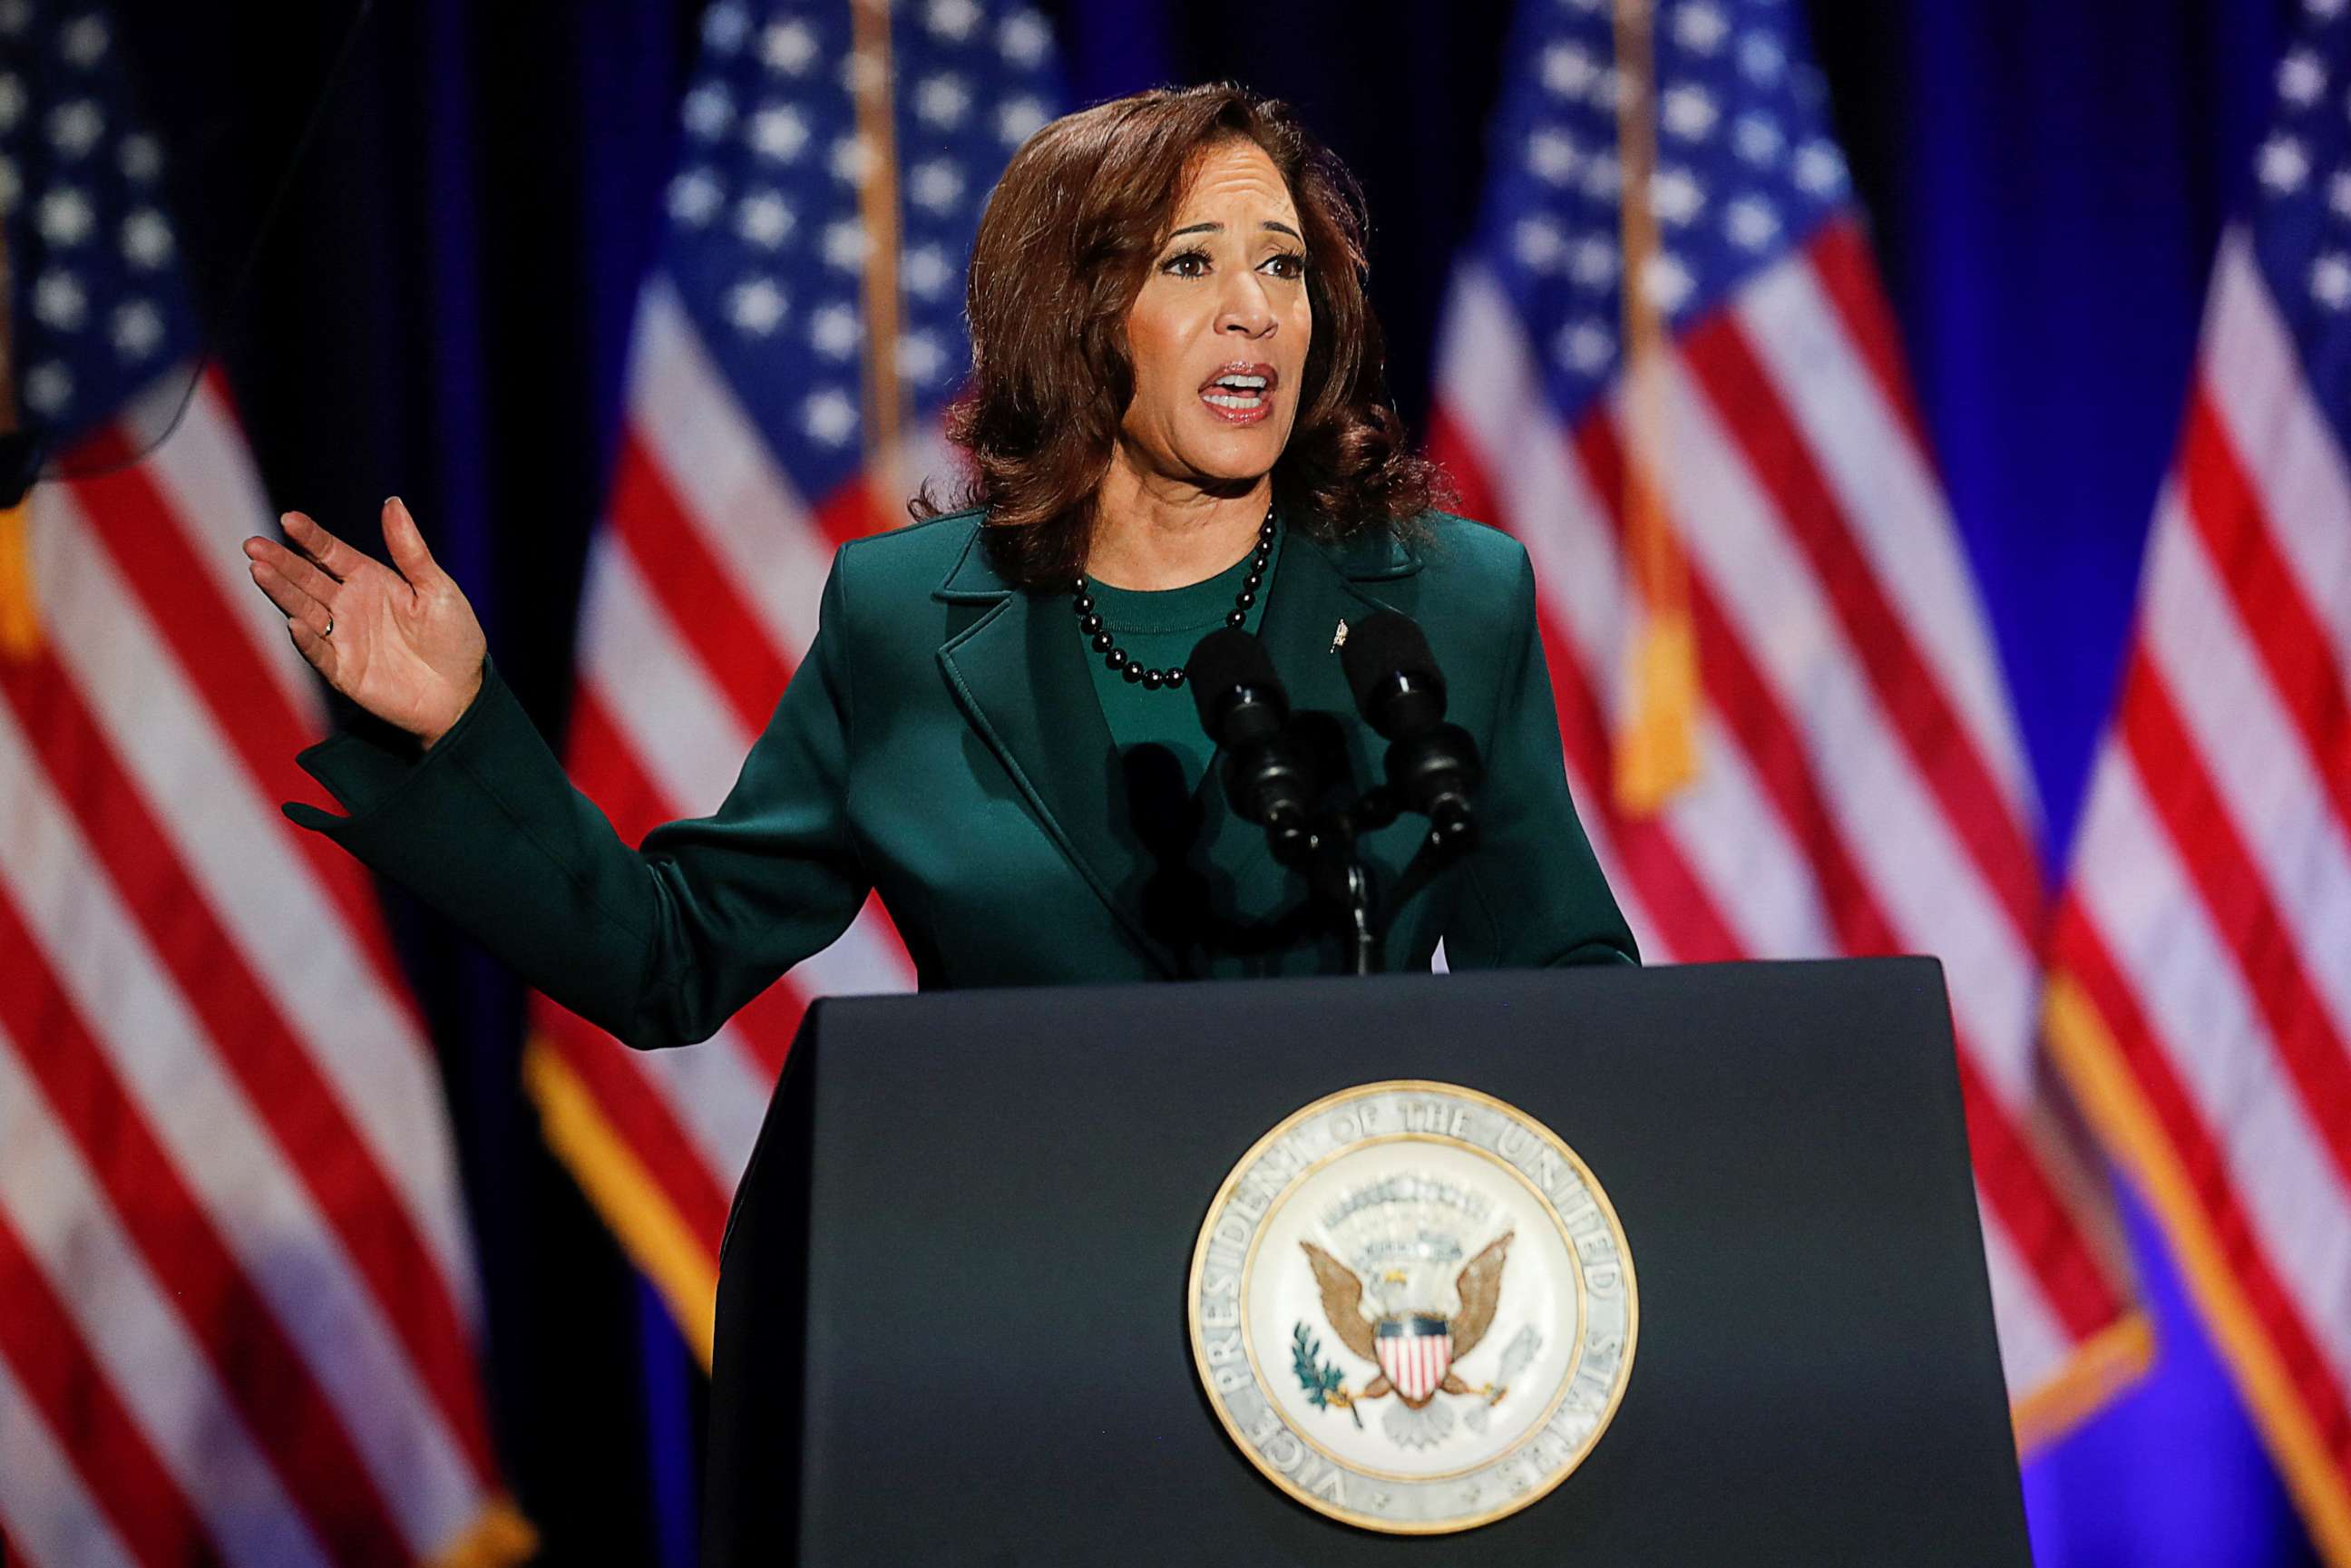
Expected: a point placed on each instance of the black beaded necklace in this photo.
(1090, 621)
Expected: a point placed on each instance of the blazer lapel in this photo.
(1019, 674)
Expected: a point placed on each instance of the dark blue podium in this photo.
(951, 1316)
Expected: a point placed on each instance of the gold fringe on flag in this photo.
(20, 623)
(1656, 743)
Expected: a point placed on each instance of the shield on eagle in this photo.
(1414, 1352)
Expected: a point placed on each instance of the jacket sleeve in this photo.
(658, 945)
(1531, 893)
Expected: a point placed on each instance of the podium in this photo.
(952, 1321)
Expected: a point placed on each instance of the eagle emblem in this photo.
(1415, 1350)
(1396, 1293)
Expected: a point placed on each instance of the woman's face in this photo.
(1219, 331)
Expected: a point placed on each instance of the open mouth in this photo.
(1240, 394)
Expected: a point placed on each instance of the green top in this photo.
(1158, 629)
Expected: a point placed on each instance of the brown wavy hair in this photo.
(1065, 246)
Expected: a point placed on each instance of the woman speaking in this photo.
(1176, 422)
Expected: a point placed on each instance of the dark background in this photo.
(441, 309)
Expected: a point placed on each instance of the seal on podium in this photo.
(1413, 1307)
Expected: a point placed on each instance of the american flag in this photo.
(238, 1314)
(793, 351)
(1858, 784)
(2201, 988)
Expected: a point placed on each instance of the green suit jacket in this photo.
(942, 743)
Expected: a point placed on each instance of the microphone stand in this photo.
(1341, 879)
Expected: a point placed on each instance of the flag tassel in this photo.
(20, 625)
(1656, 744)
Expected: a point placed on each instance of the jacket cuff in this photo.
(369, 777)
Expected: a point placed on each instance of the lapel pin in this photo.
(1339, 637)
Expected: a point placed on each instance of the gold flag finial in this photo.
(1656, 743)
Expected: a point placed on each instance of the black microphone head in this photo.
(1387, 661)
(1226, 660)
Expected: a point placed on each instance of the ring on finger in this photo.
(330, 625)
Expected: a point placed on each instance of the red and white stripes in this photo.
(1861, 786)
(2204, 951)
(237, 1292)
(701, 599)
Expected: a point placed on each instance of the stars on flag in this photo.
(851, 160)
(846, 245)
(1751, 222)
(1689, 111)
(765, 219)
(147, 239)
(1746, 169)
(709, 110)
(936, 184)
(1568, 70)
(788, 47)
(927, 272)
(1758, 138)
(831, 416)
(770, 244)
(952, 20)
(59, 300)
(1676, 196)
(48, 389)
(75, 127)
(100, 313)
(83, 41)
(1820, 169)
(942, 100)
(1701, 28)
(2330, 280)
(2301, 77)
(835, 332)
(137, 328)
(1024, 40)
(1552, 155)
(2283, 165)
(1019, 119)
(695, 196)
(756, 306)
(64, 217)
(725, 27)
(780, 132)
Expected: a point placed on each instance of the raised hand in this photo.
(403, 644)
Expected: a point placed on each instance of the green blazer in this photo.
(942, 743)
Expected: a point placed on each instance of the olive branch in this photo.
(1325, 1384)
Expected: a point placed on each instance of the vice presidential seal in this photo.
(1413, 1307)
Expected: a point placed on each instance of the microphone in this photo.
(1400, 692)
(1244, 709)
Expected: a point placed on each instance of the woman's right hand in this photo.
(402, 644)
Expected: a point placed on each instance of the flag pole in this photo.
(872, 88)
(20, 626)
(1655, 750)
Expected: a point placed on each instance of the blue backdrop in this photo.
(443, 312)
